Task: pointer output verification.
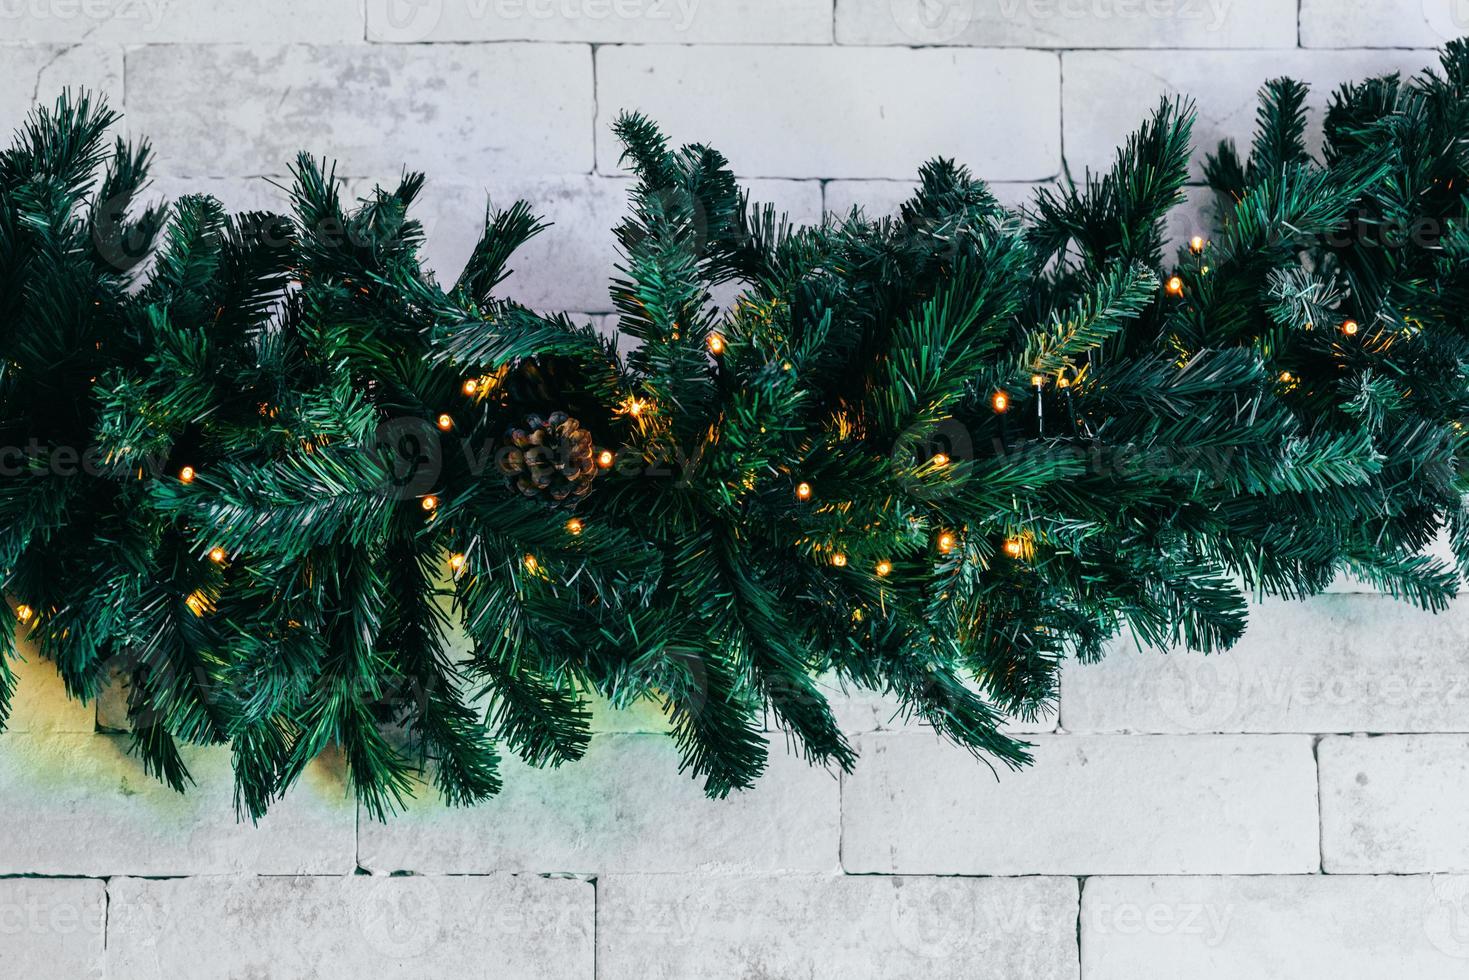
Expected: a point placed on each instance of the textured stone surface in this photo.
(527, 928)
(1395, 804)
(512, 108)
(604, 21)
(1337, 663)
(1069, 24)
(1382, 23)
(672, 927)
(624, 807)
(1107, 94)
(78, 805)
(41, 703)
(1290, 928)
(863, 112)
(1089, 805)
(37, 73)
(52, 929)
(166, 21)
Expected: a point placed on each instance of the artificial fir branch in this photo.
(931, 455)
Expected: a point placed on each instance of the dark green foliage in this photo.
(930, 455)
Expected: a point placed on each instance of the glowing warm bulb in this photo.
(839, 560)
(429, 503)
(198, 603)
(1000, 402)
(803, 491)
(1036, 381)
(1196, 244)
(941, 459)
(1287, 377)
(574, 526)
(884, 569)
(1014, 547)
(446, 422)
(531, 565)
(471, 387)
(1063, 383)
(24, 613)
(217, 555)
(947, 542)
(1350, 328)
(605, 459)
(715, 343)
(633, 406)
(457, 562)
(1175, 286)
(187, 474)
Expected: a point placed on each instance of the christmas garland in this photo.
(264, 465)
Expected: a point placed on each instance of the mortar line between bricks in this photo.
(1320, 806)
(1080, 891)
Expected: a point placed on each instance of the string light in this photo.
(574, 526)
(1036, 381)
(429, 503)
(531, 565)
(715, 343)
(884, 568)
(471, 387)
(198, 603)
(1015, 547)
(1175, 286)
(605, 459)
(187, 474)
(941, 459)
(218, 555)
(1196, 244)
(803, 491)
(839, 560)
(633, 405)
(1350, 328)
(947, 542)
(457, 562)
(24, 613)
(446, 422)
(1000, 402)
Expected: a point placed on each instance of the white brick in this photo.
(226, 111)
(350, 927)
(669, 927)
(569, 266)
(1108, 94)
(32, 73)
(1071, 24)
(1336, 663)
(1089, 805)
(78, 805)
(163, 21)
(1394, 805)
(852, 112)
(604, 21)
(41, 703)
(1382, 23)
(52, 929)
(624, 807)
(1345, 928)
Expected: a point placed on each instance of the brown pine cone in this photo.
(551, 458)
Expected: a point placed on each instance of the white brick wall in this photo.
(1292, 809)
